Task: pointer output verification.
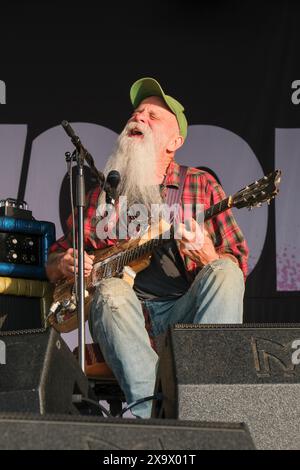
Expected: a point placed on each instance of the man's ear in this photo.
(175, 144)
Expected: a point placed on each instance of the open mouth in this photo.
(135, 133)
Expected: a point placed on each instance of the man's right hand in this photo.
(61, 265)
(66, 263)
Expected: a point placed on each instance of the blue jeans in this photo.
(117, 323)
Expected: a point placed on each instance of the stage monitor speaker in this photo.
(18, 431)
(24, 305)
(39, 373)
(234, 373)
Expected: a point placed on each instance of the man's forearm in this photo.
(53, 269)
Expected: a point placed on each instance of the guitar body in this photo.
(67, 318)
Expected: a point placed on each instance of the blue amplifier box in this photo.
(24, 246)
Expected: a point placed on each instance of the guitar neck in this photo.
(111, 267)
(218, 208)
(147, 247)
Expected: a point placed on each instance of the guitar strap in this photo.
(173, 195)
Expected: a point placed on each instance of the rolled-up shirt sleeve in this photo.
(224, 230)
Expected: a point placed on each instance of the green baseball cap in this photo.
(145, 87)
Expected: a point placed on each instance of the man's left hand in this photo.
(200, 251)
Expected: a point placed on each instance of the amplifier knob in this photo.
(12, 241)
(12, 256)
(28, 243)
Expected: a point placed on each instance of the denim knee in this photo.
(224, 273)
(114, 301)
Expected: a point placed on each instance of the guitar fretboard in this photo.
(216, 209)
(110, 268)
(140, 251)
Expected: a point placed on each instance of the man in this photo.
(186, 282)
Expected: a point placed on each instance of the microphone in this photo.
(80, 148)
(74, 138)
(111, 184)
(69, 130)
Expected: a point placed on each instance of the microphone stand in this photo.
(80, 204)
(78, 157)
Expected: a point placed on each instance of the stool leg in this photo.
(115, 406)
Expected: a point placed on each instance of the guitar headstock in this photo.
(254, 195)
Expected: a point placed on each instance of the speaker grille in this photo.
(20, 314)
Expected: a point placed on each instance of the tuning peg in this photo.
(269, 202)
(263, 193)
(259, 204)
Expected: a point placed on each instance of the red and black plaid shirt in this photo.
(199, 188)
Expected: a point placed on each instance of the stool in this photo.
(101, 378)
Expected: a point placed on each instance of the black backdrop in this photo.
(237, 59)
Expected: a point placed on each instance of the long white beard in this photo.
(136, 161)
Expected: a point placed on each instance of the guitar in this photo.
(129, 257)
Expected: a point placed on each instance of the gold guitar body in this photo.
(64, 298)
